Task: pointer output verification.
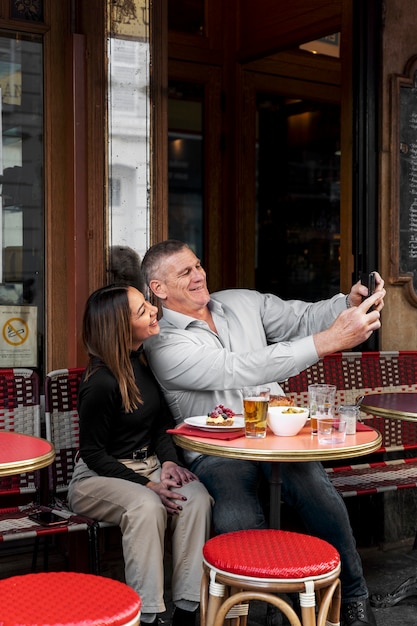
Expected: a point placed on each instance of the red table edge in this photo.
(21, 466)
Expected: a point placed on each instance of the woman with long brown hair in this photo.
(129, 472)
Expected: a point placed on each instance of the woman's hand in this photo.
(181, 475)
(170, 499)
(172, 475)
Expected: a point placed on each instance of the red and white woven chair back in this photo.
(61, 417)
(20, 412)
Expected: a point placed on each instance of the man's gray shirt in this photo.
(261, 340)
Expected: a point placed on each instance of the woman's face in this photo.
(143, 317)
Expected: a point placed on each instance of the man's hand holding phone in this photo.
(369, 280)
(368, 284)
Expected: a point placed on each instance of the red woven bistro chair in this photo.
(20, 412)
(67, 599)
(259, 564)
(62, 429)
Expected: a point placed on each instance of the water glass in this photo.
(331, 430)
(321, 401)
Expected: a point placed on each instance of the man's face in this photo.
(184, 286)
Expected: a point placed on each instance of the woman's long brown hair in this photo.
(107, 336)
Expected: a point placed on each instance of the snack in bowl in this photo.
(220, 416)
(287, 421)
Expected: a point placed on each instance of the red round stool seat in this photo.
(239, 565)
(271, 554)
(67, 599)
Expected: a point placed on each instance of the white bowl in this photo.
(284, 422)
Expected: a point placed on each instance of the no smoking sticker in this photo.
(15, 331)
(18, 337)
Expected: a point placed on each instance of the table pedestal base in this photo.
(275, 497)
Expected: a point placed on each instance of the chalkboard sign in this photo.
(408, 183)
(404, 180)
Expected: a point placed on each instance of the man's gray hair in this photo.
(152, 261)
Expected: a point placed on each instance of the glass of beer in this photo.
(321, 401)
(255, 410)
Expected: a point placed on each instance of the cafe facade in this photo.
(278, 141)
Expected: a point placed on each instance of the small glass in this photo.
(255, 411)
(331, 430)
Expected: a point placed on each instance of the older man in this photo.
(212, 345)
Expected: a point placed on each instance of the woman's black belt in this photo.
(142, 454)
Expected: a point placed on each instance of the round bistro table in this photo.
(301, 447)
(397, 405)
(401, 405)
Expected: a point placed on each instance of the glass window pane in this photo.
(22, 191)
(129, 122)
(298, 209)
(27, 10)
(185, 164)
(186, 16)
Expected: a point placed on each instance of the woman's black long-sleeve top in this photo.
(108, 433)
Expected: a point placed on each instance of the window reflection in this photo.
(298, 220)
(21, 180)
(185, 164)
(186, 16)
(128, 111)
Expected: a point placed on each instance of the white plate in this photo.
(199, 421)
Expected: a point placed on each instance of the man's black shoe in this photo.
(357, 613)
(183, 618)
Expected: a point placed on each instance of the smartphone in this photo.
(369, 281)
(47, 518)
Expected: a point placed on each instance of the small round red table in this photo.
(396, 405)
(23, 453)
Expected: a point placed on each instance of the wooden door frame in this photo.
(210, 78)
(75, 171)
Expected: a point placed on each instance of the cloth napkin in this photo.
(227, 435)
(362, 427)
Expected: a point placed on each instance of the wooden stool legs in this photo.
(220, 602)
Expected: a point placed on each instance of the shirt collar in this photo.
(182, 321)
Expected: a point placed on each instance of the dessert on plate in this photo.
(220, 416)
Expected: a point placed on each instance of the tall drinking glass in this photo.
(255, 410)
(321, 402)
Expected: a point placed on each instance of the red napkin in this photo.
(184, 429)
(362, 427)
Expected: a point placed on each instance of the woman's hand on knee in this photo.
(181, 475)
(168, 498)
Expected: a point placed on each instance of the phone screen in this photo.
(47, 518)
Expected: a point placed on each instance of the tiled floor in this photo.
(385, 570)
